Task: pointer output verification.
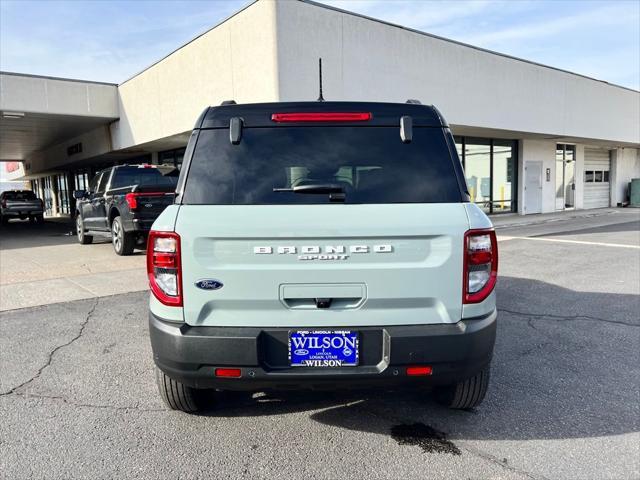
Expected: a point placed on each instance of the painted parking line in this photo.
(579, 242)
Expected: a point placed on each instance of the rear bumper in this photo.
(21, 212)
(191, 355)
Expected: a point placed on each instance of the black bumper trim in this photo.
(191, 355)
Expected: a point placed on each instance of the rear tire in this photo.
(176, 395)
(466, 394)
(123, 242)
(83, 238)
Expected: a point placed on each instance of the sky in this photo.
(110, 41)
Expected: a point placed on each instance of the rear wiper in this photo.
(336, 192)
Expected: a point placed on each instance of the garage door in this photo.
(597, 167)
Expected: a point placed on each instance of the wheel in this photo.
(40, 219)
(123, 242)
(176, 395)
(466, 394)
(83, 238)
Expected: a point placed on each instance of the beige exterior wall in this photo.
(370, 60)
(235, 60)
(94, 143)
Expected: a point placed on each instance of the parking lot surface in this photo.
(44, 264)
(78, 399)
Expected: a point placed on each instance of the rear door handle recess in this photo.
(325, 296)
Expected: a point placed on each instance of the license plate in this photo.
(323, 348)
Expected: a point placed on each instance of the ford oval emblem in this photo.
(209, 284)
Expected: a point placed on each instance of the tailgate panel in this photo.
(404, 259)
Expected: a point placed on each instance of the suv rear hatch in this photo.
(339, 224)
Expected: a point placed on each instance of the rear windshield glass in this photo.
(156, 176)
(367, 164)
(26, 195)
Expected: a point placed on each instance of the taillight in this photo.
(131, 200)
(322, 117)
(480, 265)
(4, 203)
(163, 267)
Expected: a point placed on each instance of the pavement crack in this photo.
(93, 406)
(564, 318)
(54, 351)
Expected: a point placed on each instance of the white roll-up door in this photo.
(597, 172)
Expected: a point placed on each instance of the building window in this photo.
(491, 172)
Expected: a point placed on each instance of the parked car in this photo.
(122, 202)
(322, 245)
(21, 204)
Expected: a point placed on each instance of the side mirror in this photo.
(80, 194)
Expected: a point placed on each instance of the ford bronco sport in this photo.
(322, 245)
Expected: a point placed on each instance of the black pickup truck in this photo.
(123, 202)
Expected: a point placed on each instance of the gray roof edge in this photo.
(437, 37)
(63, 79)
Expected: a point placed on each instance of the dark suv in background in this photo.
(123, 202)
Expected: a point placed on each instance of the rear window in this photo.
(26, 195)
(143, 176)
(370, 164)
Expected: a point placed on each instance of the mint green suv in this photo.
(322, 245)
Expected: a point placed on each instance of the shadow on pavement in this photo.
(564, 369)
(618, 227)
(23, 234)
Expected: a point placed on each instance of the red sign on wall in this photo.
(11, 166)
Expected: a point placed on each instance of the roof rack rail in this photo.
(414, 101)
(229, 102)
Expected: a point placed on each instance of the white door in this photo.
(597, 170)
(533, 187)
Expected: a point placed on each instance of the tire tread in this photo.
(466, 394)
(174, 394)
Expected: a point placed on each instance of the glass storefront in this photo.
(490, 169)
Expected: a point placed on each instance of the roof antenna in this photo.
(320, 98)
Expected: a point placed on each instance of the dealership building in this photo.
(532, 138)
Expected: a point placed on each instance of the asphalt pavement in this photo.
(78, 399)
